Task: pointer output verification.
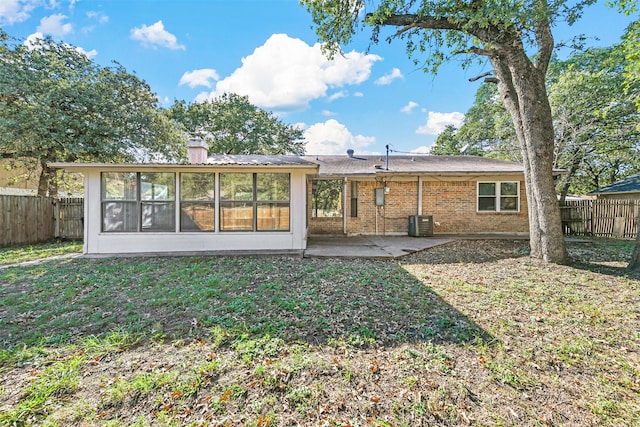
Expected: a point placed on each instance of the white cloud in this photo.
(358, 94)
(14, 11)
(436, 122)
(201, 77)
(89, 54)
(421, 150)
(33, 41)
(328, 113)
(53, 25)
(408, 109)
(332, 137)
(287, 73)
(388, 78)
(156, 36)
(337, 95)
(98, 16)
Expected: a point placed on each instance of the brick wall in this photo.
(453, 204)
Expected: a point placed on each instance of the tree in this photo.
(486, 131)
(631, 46)
(56, 105)
(232, 125)
(515, 38)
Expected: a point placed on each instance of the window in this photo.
(498, 197)
(138, 201)
(197, 210)
(326, 198)
(119, 201)
(354, 199)
(254, 201)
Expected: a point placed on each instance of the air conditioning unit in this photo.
(421, 225)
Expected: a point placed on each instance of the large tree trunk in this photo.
(47, 184)
(522, 87)
(634, 264)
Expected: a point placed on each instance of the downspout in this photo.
(419, 196)
(344, 207)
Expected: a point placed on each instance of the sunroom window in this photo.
(197, 209)
(138, 201)
(254, 201)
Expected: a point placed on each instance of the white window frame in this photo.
(497, 197)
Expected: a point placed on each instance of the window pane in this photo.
(509, 188)
(119, 186)
(157, 186)
(487, 189)
(197, 186)
(508, 203)
(272, 186)
(273, 216)
(158, 216)
(236, 216)
(119, 216)
(327, 198)
(487, 204)
(197, 216)
(236, 186)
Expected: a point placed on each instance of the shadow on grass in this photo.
(603, 256)
(359, 302)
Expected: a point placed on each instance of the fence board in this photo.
(25, 220)
(616, 218)
(70, 217)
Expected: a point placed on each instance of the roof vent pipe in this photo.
(350, 153)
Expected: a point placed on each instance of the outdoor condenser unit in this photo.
(421, 225)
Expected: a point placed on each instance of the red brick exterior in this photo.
(452, 202)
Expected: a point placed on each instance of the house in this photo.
(462, 194)
(628, 188)
(248, 203)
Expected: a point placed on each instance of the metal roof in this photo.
(628, 185)
(256, 160)
(418, 164)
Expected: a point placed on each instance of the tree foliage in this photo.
(56, 105)
(232, 125)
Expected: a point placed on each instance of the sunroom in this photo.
(229, 204)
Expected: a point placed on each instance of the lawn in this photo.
(469, 333)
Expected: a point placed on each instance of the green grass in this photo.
(468, 333)
(13, 255)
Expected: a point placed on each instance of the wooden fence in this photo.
(28, 219)
(617, 218)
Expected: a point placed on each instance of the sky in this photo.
(371, 97)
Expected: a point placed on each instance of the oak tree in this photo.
(56, 105)
(230, 124)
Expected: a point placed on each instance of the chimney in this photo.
(198, 149)
(350, 153)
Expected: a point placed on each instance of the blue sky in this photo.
(267, 50)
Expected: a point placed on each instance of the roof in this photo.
(215, 160)
(418, 164)
(630, 184)
(334, 165)
(257, 160)
(12, 191)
